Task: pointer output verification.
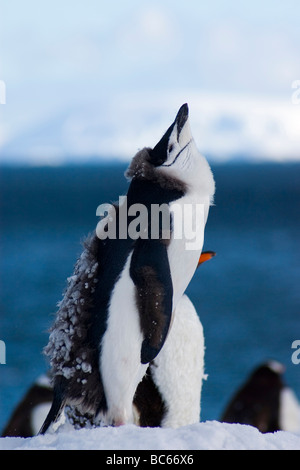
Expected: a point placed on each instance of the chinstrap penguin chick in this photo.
(117, 309)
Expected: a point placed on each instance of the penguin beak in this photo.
(182, 117)
(184, 135)
(178, 133)
(205, 256)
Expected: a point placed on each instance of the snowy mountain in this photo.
(224, 126)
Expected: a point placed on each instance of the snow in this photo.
(209, 435)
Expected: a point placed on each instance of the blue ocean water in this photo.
(247, 297)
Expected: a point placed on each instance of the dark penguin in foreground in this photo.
(170, 392)
(117, 309)
(265, 401)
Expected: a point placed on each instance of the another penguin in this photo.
(265, 401)
(28, 417)
(170, 392)
(117, 310)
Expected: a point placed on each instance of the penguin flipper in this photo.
(58, 403)
(150, 272)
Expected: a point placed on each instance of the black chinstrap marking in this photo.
(177, 156)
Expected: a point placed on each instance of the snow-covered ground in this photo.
(209, 435)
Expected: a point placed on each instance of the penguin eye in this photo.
(171, 148)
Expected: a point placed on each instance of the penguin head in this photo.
(268, 374)
(174, 143)
(176, 155)
(175, 158)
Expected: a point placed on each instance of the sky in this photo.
(103, 78)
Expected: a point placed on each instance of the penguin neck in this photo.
(141, 169)
(196, 177)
